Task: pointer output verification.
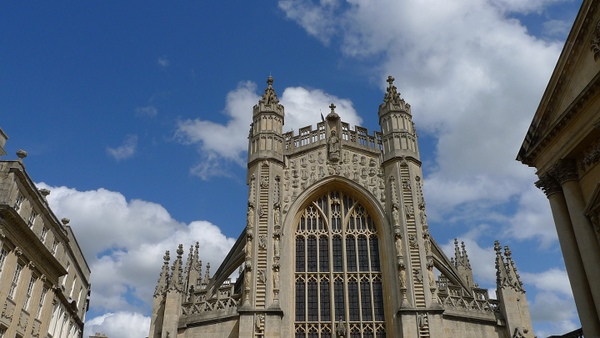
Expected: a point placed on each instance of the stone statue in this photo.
(340, 329)
(395, 215)
(398, 233)
(250, 217)
(427, 242)
(334, 146)
(262, 242)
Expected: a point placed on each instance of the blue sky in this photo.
(136, 116)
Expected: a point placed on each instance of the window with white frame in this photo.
(41, 303)
(15, 281)
(19, 201)
(32, 218)
(54, 246)
(44, 234)
(29, 293)
(3, 254)
(72, 286)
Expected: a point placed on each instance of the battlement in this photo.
(307, 137)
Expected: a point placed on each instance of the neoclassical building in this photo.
(44, 278)
(336, 244)
(563, 144)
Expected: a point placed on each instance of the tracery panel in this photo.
(337, 270)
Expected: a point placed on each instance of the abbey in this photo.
(336, 244)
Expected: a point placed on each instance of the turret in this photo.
(174, 296)
(266, 140)
(398, 131)
(193, 270)
(462, 264)
(158, 304)
(511, 295)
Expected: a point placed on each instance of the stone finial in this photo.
(65, 221)
(465, 257)
(269, 97)
(332, 116)
(456, 253)
(21, 154)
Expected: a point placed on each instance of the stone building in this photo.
(44, 278)
(563, 144)
(336, 244)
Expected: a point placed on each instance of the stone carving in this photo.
(398, 234)
(262, 242)
(412, 240)
(340, 329)
(595, 43)
(259, 324)
(334, 147)
(565, 170)
(430, 274)
(250, 217)
(418, 274)
(409, 211)
(402, 272)
(251, 193)
(261, 276)
(548, 185)
(427, 242)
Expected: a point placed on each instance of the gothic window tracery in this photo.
(337, 270)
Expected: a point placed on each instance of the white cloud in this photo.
(221, 144)
(119, 325)
(125, 150)
(163, 61)
(124, 243)
(149, 111)
(474, 79)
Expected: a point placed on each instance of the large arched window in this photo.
(337, 270)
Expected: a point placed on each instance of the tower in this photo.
(336, 244)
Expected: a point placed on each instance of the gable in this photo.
(574, 80)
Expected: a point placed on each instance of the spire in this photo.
(506, 272)
(269, 97)
(176, 281)
(456, 253)
(192, 269)
(207, 275)
(512, 270)
(163, 278)
(465, 257)
(392, 100)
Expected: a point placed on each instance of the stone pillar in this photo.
(580, 249)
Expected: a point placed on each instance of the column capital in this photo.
(548, 184)
(565, 170)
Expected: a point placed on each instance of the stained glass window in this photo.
(338, 275)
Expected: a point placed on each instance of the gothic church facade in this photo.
(336, 244)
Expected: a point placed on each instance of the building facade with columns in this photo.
(336, 244)
(44, 278)
(563, 144)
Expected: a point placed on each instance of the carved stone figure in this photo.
(262, 242)
(250, 217)
(427, 242)
(261, 276)
(395, 215)
(398, 233)
(334, 147)
(340, 329)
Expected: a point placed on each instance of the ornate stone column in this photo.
(571, 206)
(574, 265)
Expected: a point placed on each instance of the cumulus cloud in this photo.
(222, 144)
(474, 80)
(124, 242)
(125, 150)
(149, 111)
(118, 325)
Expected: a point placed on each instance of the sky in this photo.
(136, 115)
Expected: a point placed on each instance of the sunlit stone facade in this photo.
(563, 144)
(336, 244)
(44, 278)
